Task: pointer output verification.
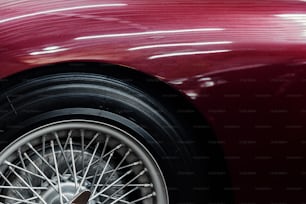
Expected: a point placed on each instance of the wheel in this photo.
(55, 162)
(70, 133)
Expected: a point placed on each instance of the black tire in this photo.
(74, 96)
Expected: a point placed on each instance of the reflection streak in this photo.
(149, 33)
(48, 50)
(59, 10)
(298, 18)
(187, 53)
(179, 45)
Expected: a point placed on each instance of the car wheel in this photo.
(69, 133)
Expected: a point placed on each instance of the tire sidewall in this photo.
(86, 96)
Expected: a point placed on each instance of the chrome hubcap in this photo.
(57, 162)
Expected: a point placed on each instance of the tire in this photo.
(59, 131)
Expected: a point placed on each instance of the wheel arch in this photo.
(143, 81)
(208, 150)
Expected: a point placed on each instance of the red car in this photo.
(153, 102)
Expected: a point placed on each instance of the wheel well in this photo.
(208, 151)
(149, 84)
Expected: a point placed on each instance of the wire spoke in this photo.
(101, 175)
(68, 138)
(7, 181)
(99, 167)
(76, 158)
(144, 197)
(43, 154)
(29, 187)
(118, 165)
(57, 173)
(125, 185)
(88, 167)
(105, 189)
(18, 200)
(121, 168)
(73, 164)
(124, 195)
(105, 155)
(42, 158)
(23, 165)
(23, 187)
(143, 185)
(42, 173)
(83, 150)
(92, 140)
(22, 169)
(62, 150)
(113, 198)
(29, 199)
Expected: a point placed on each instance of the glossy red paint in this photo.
(241, 63)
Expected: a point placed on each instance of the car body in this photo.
(240, 63)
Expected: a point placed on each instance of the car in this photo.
(152, 102)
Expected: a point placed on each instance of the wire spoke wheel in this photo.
(54, 163)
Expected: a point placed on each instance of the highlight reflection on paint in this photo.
(296, 17)
(187, 53)
(59, 10)
(180, 45)
(149, 33)
(49, 50)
